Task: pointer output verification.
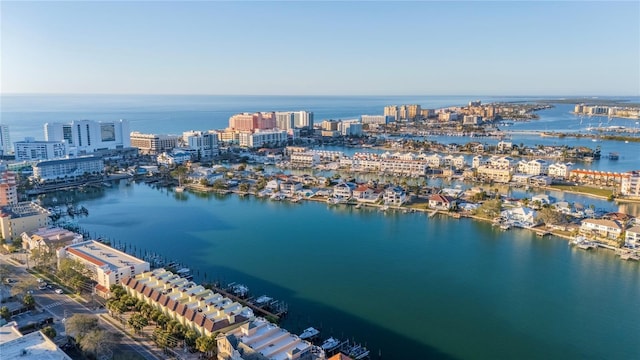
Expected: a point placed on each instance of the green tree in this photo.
(80, 325)
(97, 341)
(244, 187)
(29, 301)
(490, 208)
(206, 344)
(117, 291)
(50, 332)
(138, 322)
(550, 216)
(190, 337)
(5, 313)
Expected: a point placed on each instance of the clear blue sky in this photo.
(342, 48)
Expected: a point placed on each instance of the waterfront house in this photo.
(441, 202)
(632, 237)
(394, 195)
(175, 157)
(273, 185)
(602, 228)
(559, 170)
(543, 199)
(290, 188)
(365, 193)
(520, 216)
(343, 190)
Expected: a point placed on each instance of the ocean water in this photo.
(407, 286)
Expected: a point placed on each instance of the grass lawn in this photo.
(585, 190)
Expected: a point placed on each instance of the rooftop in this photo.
(24, 209)
(101, 255)
(14, 345)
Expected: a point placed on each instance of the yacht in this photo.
(309, 333)
(179, 189)
(330, 344)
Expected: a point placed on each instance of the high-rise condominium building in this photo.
(87, 136)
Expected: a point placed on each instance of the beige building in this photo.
(195, 307)
(49, 239)
(22, 217)
(153, 144)
(494, 173)
(107, 265)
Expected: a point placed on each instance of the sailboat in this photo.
(179, 188)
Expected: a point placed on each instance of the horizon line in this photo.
(307, 95)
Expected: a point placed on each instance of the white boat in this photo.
(179, 189)
(330, 344)
(263, 300)
(309, 333)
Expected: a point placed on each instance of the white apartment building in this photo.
(87, 136)
(533, 167)
(350, 128)
(32, 150)
(153, 144)
(630, 185)
(107, 265)
(262, 137)
(303, 119)
(203, 143)
(560, 170)
(454, 161)
(68, 169)
(305, 159)
(285, 120)
(175, 157)
(22, 217)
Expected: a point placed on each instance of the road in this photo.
(62, 306)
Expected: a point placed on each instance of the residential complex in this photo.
(203, 143)
(87, 136)
(107, 265)
(192, 305)
(32, 150)
(68, 169)
(262, 137)
(22, 217)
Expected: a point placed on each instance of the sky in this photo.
(321, 48)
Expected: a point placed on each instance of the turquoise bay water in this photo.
(408, 286)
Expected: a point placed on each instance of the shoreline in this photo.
(540, 231)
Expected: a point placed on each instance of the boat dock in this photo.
(279, 313)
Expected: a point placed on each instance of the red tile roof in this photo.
(86, 257)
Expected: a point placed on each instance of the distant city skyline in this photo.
(321, 48)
